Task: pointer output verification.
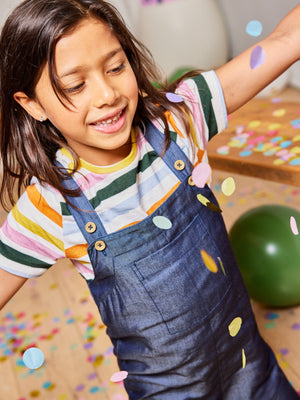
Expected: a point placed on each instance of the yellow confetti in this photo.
(222, 266)
(209, 262)
(63, 396)
(208, 204)
(278, 162)
(203, 199)
(279, 113)
(235, 326)
(273, 127)
(295, 150)
(243, 358)
(228, 186)
(254, 124)
(35, 393)
(98, 361)
(296, 138)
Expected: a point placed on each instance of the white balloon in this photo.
(184, 33)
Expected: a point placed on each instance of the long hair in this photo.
(27, 45)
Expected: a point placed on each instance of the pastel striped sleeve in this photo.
(31, 236)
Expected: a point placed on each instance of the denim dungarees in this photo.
(167, 314)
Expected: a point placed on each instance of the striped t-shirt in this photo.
(40, 229)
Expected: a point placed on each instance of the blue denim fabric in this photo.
(167, 314)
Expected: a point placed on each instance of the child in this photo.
(106, 159)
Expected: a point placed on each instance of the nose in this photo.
(104, 93)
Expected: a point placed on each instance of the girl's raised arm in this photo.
(9, 285)
(242, 80)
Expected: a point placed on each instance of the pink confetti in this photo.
(294, 227)
(258, 57)
(119, 376)
(174, 98)
(201, 173)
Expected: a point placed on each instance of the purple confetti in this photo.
(174, 98)
(258, 57)
(284, 352)
(296, 327)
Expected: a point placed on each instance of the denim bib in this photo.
(181, 324)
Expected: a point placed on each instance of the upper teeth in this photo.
(110, 121)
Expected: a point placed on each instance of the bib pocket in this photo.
(179, 282)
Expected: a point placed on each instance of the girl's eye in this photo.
(74, 89)
(117, 69)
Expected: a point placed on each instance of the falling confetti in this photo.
(208, 204)
(243, 358)
(33, 358)
(228, 186)
(258, 57)
(254, 28)
(119, 376)
(222, 266)
(162, 222)
(235, 326)
(209, 262)
(201, 174)
(294, 226)
(174, 98)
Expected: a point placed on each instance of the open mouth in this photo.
(112, 124)
(109, 121)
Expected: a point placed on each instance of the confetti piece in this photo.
(228, 186)
(174, 98)
(222, 266)
(279, 113)
(201, 174)
(209, 262)
(254, 124)
(245, 153)
(274, 126)
(33, 358)
(294, 227)
(258, 57)
(235, 326)
(119, 376)
(223, 150)
(243, 358)
(162, 222)
(254, 28)
(208, 204)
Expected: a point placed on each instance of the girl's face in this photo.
(94, 72)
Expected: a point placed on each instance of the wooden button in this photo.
(100, 245)
(90, 227)
(190, 181)
(179, 165)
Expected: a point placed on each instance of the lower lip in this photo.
(112, 128)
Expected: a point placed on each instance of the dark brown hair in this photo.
(27, 44)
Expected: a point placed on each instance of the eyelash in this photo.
(78, 87)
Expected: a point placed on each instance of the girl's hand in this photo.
(240, 81)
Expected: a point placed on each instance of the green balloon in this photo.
(268, 254)
(178, 73)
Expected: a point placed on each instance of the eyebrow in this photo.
(105, 58)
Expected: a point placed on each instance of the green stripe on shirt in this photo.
(21, 258)
(206, 96)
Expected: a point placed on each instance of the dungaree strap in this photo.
(173, 153)
(85, 214)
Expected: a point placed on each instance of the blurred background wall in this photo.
(196, 33)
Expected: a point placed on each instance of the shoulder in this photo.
(40, 199)
(204, 96)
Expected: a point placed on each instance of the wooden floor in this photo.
(56, 314)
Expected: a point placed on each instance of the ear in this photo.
(31, 106)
